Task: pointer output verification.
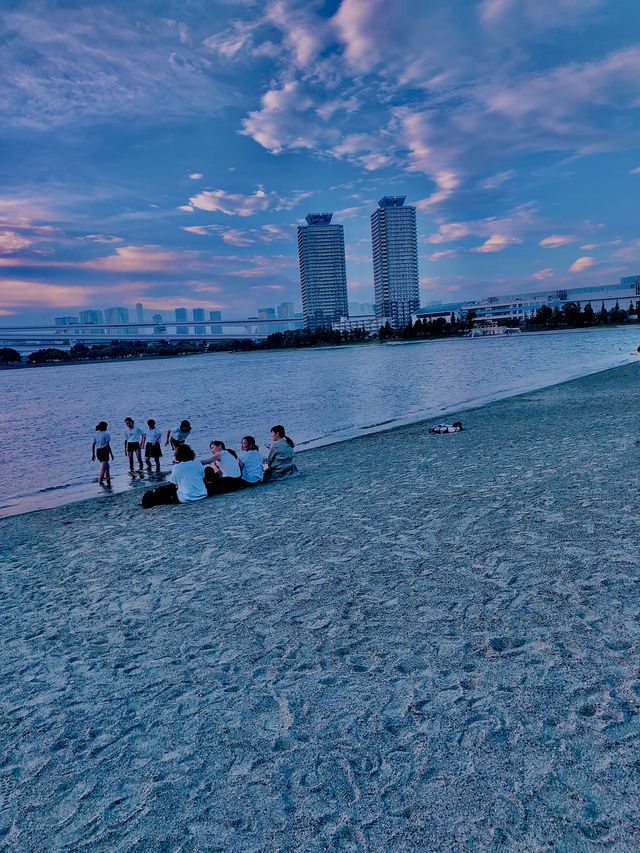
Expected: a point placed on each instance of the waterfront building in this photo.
(92, 317)
(369, 322)
(216, 316)
(181, 317)
(159, 327)
(66, 321)
(323, 274)
(139, 312)
(198, 316)
(286, 310)
(395, 260)
(119, 314)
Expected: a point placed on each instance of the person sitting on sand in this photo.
(438, 429)
(280, 459)
(222, 473)
(102, 450)
(186, 481)
(250, 461)
(178, 435)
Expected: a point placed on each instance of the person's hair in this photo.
(220, 444)
(129, 419)
(459, 424)
(251, 442)
(102, 426)
(279, 430)
(151, 423)
(183, 453)
(232, 452)
(185, 426)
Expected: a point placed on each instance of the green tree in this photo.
(589, 316)
(42, 356)
(9, 356)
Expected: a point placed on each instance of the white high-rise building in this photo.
(323, 274)
(395, 260)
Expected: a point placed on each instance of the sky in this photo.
(165, 152)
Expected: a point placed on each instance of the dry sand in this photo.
(422, 643)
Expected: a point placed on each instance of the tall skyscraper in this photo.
(139, 312)
(181, 317)
(198, 316)
(216, 315)
(323, 275)
(395, 260)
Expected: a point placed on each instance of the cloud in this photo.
(635, 171)
(494, 181)
(196, 176)
(582, 264)
(238, 204)
(444, 253)
(10, 242)
(496, 243)
(103, 238)
(284, 120)
(21, 293)
(139, 259)
(71, 65)
(542, 274)
(556, 240)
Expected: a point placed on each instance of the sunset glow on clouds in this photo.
(151, 156)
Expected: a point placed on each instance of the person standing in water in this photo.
(101, 448)
(152, 449)
(132, 442)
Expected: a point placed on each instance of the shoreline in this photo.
(421, 642)
(85, 491)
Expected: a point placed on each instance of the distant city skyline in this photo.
(167, 156)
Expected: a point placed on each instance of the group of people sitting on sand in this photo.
(191, 479)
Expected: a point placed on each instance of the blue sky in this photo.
(164, 152)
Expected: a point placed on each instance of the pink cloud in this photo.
(139, 259)
(542, 274)
(582, 264)
(556, 240)
(496, 243)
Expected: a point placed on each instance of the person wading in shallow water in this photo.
(132, 442)
(102, 450)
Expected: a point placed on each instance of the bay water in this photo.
(48, 414)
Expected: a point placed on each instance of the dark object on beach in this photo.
(440, 429)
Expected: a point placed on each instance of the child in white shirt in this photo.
(152, 449)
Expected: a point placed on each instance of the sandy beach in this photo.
(421, 643)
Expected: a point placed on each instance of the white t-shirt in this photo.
(101, 438)
(153, 435)
(134, 434)
(228, 464)
(251, 466)
(189, 478)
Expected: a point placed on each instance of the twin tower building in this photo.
(395, 265)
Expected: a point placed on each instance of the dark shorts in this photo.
(132, 446)
(152, 451)
(175, 442)
(102, 454)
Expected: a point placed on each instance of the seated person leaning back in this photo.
(280, 459)
(222, 473)
(186, 481)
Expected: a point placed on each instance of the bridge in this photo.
(64, 337)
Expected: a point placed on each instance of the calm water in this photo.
(49, 414)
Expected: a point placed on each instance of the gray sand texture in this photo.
(421, 643)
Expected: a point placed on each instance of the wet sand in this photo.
(421, 643)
